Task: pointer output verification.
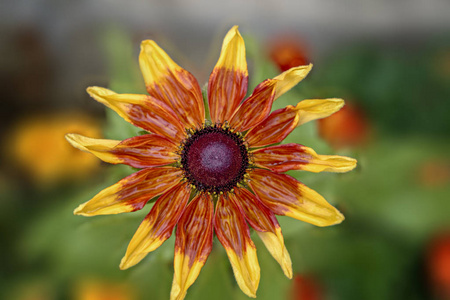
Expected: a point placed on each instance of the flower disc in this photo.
(214, 159)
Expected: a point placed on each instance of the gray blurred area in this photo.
(55, 44)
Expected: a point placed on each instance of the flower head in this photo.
(218, 175)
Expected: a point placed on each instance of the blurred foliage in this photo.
(376, 253)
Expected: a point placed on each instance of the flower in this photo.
(102, 289)
(348, 127)
(212, 176)
(37, 147)
(288, 51)
(306, 287)
(438, 264)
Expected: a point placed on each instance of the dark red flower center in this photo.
(214, 159)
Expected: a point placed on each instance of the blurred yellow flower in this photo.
(37, 146)
(96, 289)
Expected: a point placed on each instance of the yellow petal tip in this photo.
(79, 211)
(123, 264)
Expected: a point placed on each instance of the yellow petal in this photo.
(308, 110)
(154, 62)
(275, 245)
(290, 78)
(98, 147)
(232, 55)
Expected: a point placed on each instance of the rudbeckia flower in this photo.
(212, 176)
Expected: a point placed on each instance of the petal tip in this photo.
(124, 263)
(339, 218)
(92, 90)
(79, 211)
(148, 46)
(74, 140)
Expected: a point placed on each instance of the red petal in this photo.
(193, 243)
(258, 215)
(274, 129)
(145, 151)
(255, 108)
(157, 226)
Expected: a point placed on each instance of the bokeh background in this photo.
(390, 60)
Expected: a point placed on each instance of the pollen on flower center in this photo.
(214, 159)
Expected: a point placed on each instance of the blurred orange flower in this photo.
(287, 52)
(305, 288)
(346, 128)
(438, 265)
(37, 146)
(435, 173)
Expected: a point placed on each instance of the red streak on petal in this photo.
(226, 89)
(155, 116)
(255, 108)
(167, 211)
(230, 226)
(140, 187)
(195, 229)
(181, 91)
(256, 213)
(274, 129)
(145, 151)
(279, 192)
(282, 158)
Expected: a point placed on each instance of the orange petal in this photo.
(142, 151)
(286, 196)
(194, 238)
(132, 192)
(282, 158)
(255, 108)
(266, 225)
(157, 226)
(233, 233)
(167, 81)
(143, 111)
(279, 124)
(228, 82)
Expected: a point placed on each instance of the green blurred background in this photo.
(389, 60)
